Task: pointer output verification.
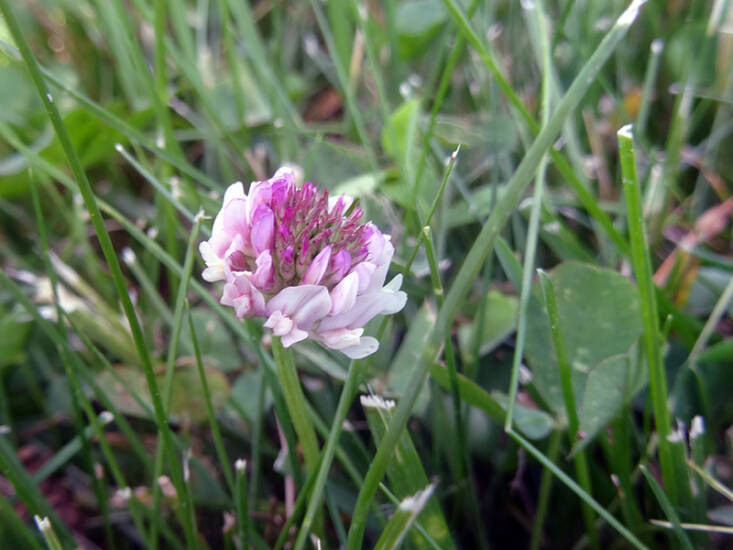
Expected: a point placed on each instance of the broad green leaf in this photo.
(720, 352)
(605, 390)
(94, 141)
(533, 423)
(188, 400)
(406, 473)
(599, 319)
(245, 393)
(417, 21)
(400, 129)
(500, 321)
(13, 337)
(215, 341)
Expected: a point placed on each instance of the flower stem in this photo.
(347, 396)
(295, 402)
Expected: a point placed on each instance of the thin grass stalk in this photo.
(221, 453)
(543, 498)
(474, 259)
(720, 308)
(159, 92)
(465, 468)
(256, 455)
(534, 224)
(10, 521)
(148, 287)
(710, 480)
(647, 91)
(472, 367)
(401, 521)
(722, 529)
(78, 399)
(642, 269)
(348, 392)
(187, 513)
(351, 103)
(578, 490)
(96, 219)
(240, 501)
(73, 364)
(584, 196)
(24, 486)
(443, 87)
(619, 448)
(667, 507)
(433, 207)
(48, 534)
(566, 380)
(353, 473)
(233, 63)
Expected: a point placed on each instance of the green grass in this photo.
(542, 400)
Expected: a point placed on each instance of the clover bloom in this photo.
(304, 261)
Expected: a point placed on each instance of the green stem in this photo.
(295, 402)
(240, 503)
(347, 397)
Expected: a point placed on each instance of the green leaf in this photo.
(599, 318)
(187, 400)
(533, 423)
(399, 129)
(500, 321)
(215, 341)
(245, 393)
(417, 22)
(605, 392)
(93, 140)
(14, 333)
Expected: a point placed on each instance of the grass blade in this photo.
(642, 270)
(401, 522)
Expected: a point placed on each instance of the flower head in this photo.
(304, 260)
